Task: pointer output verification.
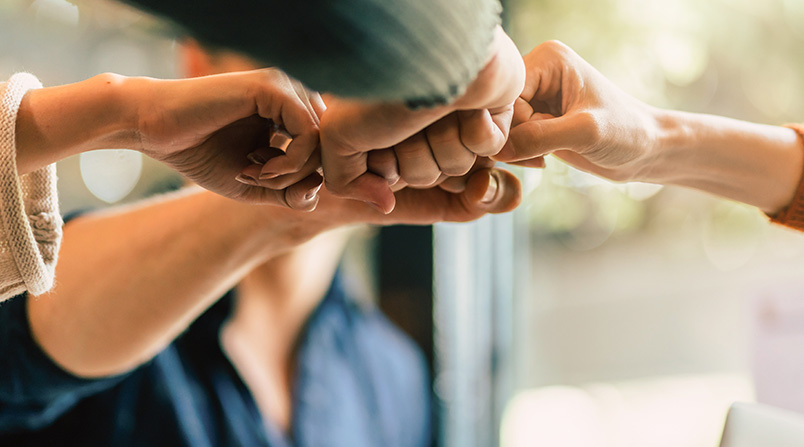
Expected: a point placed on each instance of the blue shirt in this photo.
(359, 382)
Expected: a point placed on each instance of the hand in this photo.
(486, 191)
(476, 124)
(569, 109)
(212, 129)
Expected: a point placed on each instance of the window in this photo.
(617, 315)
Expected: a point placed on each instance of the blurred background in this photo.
(648, 310)
(597, 314)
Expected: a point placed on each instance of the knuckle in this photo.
(456, 170)
(420, 177)
(485, 145)
(337, 188)
(456, 164)
(411, 150)
(443, 135)
(590, 126)
(272, 74)
(278, 183)
(556, 46)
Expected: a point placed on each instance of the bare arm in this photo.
(568, 108)
(752, 163)
(131, 280)
(203, 127)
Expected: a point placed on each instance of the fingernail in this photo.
(312, 193)
(377, 207)
(281, 139)
(268, 175)
(256, 158)
(491, 190)
(247, 179)
(393, 180)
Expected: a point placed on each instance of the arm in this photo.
(751, 163)
(202, 127)
(120, 300)
(131, 281)
(568, 108)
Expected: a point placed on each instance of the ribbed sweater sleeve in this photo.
(420, 51)
(30, 223)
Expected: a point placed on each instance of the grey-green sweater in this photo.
(421, 51)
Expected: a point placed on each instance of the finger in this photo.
(444, 139)
(537, 162)
(262, 155)
(340, 180)
(345, 142)
(303, 196)
(538, 137)
(383, 163)
(319, 106)
(454, 184)
(280, 138)
(297, 116)
(305, 96)
(369, 188)
(283, 181)
(522, 111)
(255, 194)
(479, 132)
(492, 191)
(487, 191)
(298, 153)
(458, 184)
(417, 165)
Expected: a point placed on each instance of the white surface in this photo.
(778, 358)
(676, 411)
(755, 425)
(111, 174)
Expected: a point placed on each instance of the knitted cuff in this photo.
(31, 223)
(793, 214)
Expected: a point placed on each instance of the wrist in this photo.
(56, 122)
(756, 164)
(273, 230)
(668, 157)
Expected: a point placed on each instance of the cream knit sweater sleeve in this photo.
(30, 228)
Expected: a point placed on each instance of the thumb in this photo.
(490, 191)
(542, 134)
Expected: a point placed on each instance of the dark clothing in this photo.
(422, 51)
(360, 382)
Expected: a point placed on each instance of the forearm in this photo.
(131, 281)
(56, 122)
(755, 164)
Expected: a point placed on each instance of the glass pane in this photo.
(648, 310)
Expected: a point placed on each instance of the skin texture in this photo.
(98, 325)
(419, 146)
(204, 127)
(569, 109)
(217, 130)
